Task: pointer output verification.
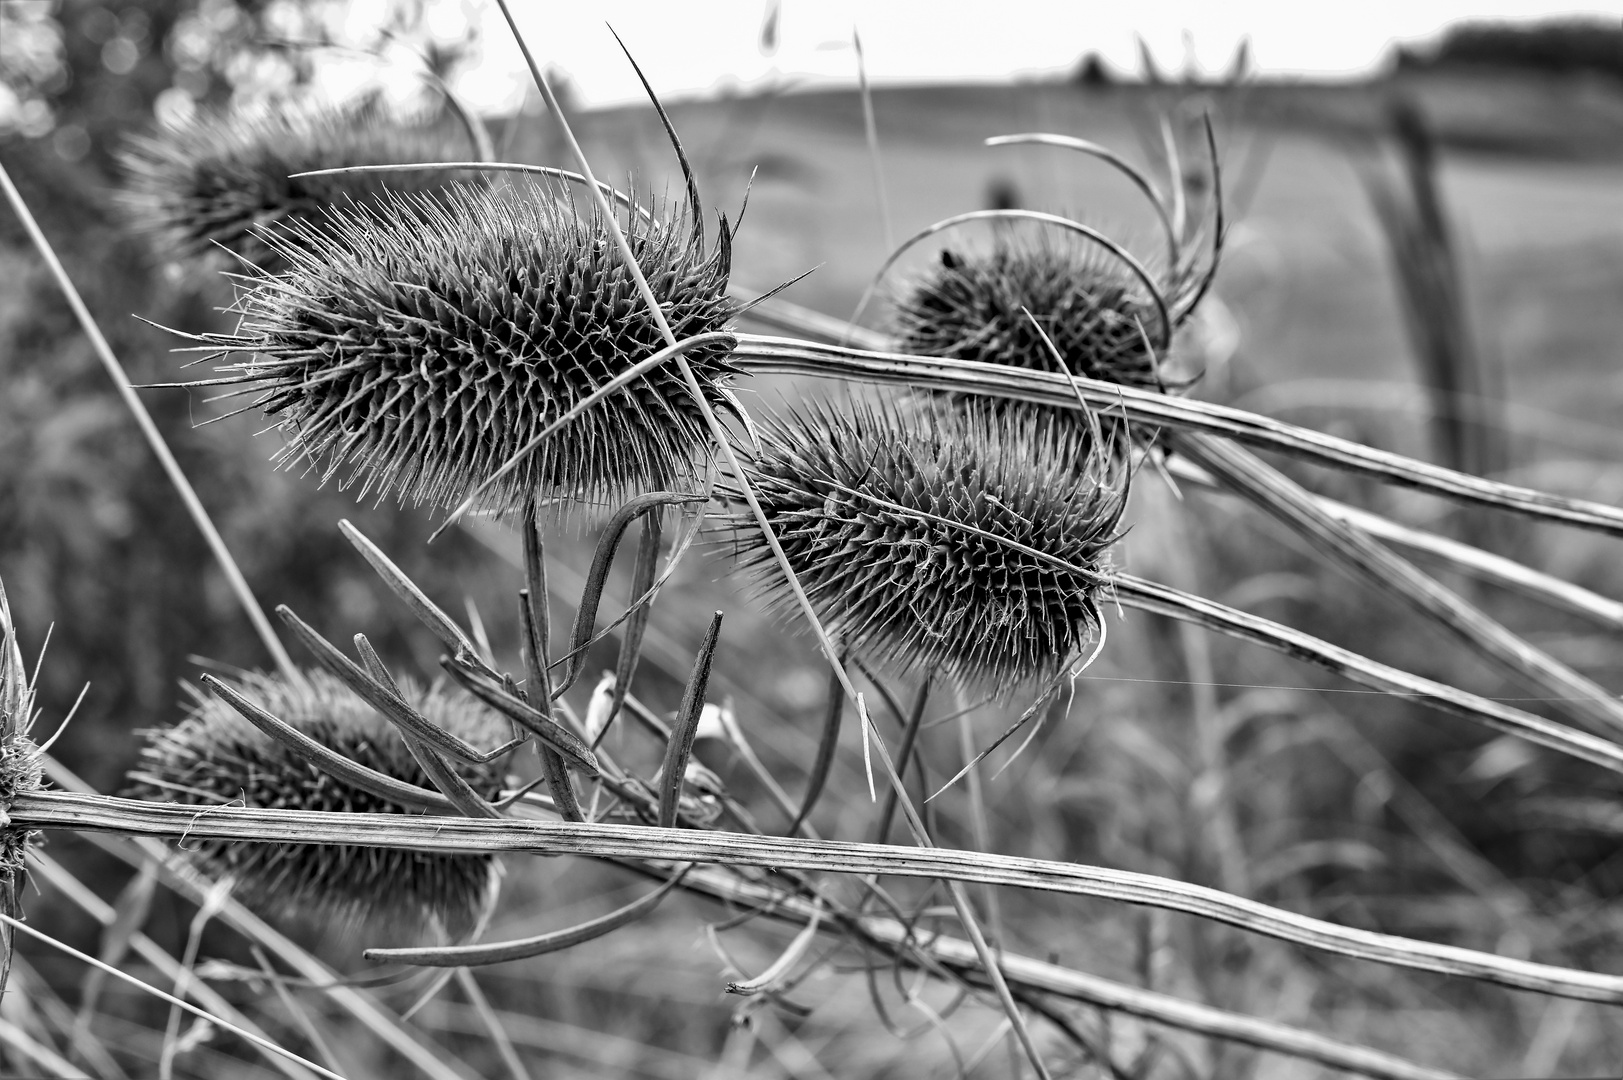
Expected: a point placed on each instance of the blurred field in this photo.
(1197, 759)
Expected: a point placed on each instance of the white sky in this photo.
(687, 47)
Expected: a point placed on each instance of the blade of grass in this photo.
(870, 130)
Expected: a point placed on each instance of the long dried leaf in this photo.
(325, 758)
(1581, 699)
(642, 583)
(65, 810)
(767, 355)
(597, 576)
(685, 726)
(540, 725)
(826, 745)
(393, 707)
(427, 612)
(501, 952)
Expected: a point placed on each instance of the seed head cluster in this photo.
(213, 757)
(968, 539)
(973, 306)
(419, 343)
(219, 178)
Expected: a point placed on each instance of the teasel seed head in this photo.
(970, 539)
(213, 757)
(214, 181)
(421, 342)
(21, 771)
(1071, 289)
(973, 305)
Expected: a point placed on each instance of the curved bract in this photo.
(927, 537)
(419, 345)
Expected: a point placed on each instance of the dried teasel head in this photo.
(213, 182)
(417, 345)
(21, 771)
(997, 306)
(1052, 294)
(969, 539)
(213, 757)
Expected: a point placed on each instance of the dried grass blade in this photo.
(427, 612)
(680, 748)
(381, 697)
(327, 760)
(502, 952)
(598, 574)
(1580, 698)
(826, 745)
(258, 1040)
(540, 725)
(55, 809)
(149, 430)
(789, 356)
(768, 980)
(1480, 564)
(536, 625)
(642, 585)
(1160, 599)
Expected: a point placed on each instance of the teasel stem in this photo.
(149, 430)
(772, 355)
(719, 435)
(52, 809)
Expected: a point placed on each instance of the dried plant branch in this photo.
(64, 810)
(768, 355)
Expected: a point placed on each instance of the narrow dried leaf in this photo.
(597, 575)
(536, 722)
(826, 745)
(680, 748)
(501, 952)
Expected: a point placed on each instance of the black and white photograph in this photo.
(811, 540)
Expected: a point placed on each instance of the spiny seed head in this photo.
(214, 756)
(972, 305)
(217, 179)
(21, 767)
(969, 539)
(420, 343)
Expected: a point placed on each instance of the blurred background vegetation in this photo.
(1448, 231)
